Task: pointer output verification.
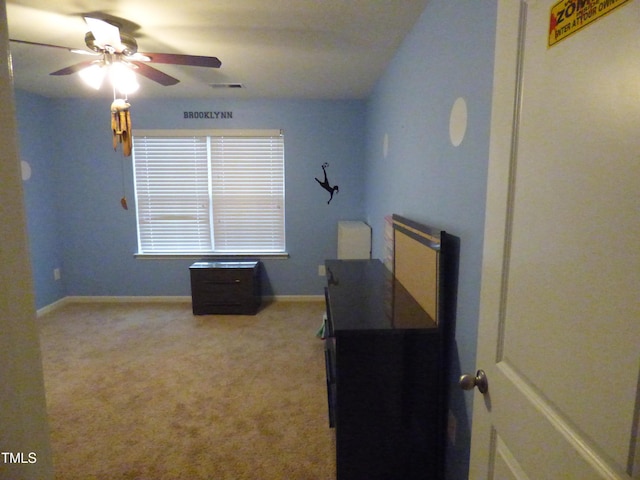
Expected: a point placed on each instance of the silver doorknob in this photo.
(467, 381)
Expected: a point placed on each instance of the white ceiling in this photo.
(323, 49)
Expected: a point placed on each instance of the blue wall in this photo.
(448, 54)
(77, 223)
(38, 149)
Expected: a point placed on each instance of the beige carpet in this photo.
(149, 391)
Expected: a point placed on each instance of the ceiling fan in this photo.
(116, 48)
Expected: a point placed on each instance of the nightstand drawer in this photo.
(225, 276)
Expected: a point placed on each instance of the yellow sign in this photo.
(569, 16)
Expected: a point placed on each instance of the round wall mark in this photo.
(26, 170)
(458, 121)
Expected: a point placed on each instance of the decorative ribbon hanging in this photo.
(123, 200)
(121, 125)
(121, 130)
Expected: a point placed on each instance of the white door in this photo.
(559, 333)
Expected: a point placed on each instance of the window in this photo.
(209, 192)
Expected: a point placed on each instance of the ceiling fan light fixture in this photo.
(123, 78)
(93, 75)
(120, 49)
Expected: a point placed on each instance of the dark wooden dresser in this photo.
(224, 287)
(384, 367)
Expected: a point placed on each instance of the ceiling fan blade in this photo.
(72, 50)
(85, 52)
(189, 60)
(155, 75)
(138, 57)
(73, 68)
(24, 42)
(105, 33)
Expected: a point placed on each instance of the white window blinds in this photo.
(248, 193)
(220, 192)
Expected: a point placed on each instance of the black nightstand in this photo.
(225, 287)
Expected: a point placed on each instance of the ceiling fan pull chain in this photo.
(123, 200)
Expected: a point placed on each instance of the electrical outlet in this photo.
(322, 271)
(56, 274)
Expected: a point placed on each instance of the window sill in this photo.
(209, 256)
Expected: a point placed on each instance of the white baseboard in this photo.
(294, 298)
(129, 299)
(160, 299)
(52, 306)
